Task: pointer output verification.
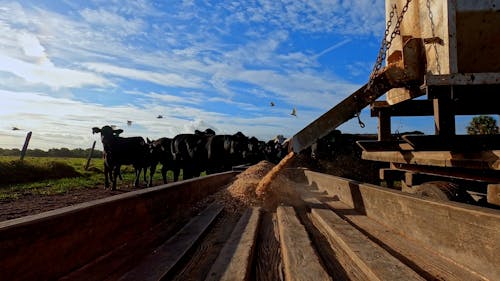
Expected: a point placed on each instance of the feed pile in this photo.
(260, 185)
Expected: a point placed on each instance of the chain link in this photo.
(433, 30)
(386, 43)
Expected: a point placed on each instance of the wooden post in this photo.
(90, 156)
(444, 118)
(384, 126)
(25, 146)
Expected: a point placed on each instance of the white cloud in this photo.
(348, 17)
(166, 79)
(114, 22)
(46, 73)
(31, 46)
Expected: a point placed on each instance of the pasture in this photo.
(56, 175)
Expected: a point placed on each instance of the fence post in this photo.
(90, 156)
(25, 146)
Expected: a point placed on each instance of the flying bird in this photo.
(15, 129)
(272, 103)
(129, 123)
(159, 117)
(294, 112)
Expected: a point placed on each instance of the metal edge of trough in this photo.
(51, 244)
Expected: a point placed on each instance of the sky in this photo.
(67, 66)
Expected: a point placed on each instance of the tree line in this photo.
(53, 152)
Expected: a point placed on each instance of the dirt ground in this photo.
(30, 204)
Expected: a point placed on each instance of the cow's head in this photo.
(107, 133)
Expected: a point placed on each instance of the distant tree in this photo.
(482, 125)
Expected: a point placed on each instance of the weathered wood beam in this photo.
(384, 126)
(493, 196)
(487, 78)
(461, 106)
(297, 250)
(369, 145)
(454, 143)
(489, 160)
(444, 117)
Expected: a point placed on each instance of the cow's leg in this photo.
(116, 172)
(164, 173)
(186, 173)
(106, 176)
(152, 171)
(177, 171)
(146, 182)
(137, 176)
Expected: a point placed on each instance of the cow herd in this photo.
(193, 153)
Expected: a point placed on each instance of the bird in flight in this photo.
(129, 123)
(272, 103)
(15, 129)
(294, 112)
(159, 116)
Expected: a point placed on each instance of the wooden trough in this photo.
(49, 245)
(338, 229)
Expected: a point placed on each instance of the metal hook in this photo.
(361, 124)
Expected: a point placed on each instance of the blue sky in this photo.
(67, 66)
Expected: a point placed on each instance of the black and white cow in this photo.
(122, 151)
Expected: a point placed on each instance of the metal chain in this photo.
(386, 43)
(433, 30)
(381, 52)
(384, 46)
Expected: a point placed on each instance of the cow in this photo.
(161, 152)
(122, 151)
(255, 150)
(226, 151)
(189, 152)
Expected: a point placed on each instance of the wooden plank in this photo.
(297, 251)
(477, 175)
(462, 79)
(466, 234)
(268, 265)
(123, 257)
(370, 145)
(489, 160)
(454, 143)
(235, 259)
(384, 126)
(337, 260)
(406, 108)
(444, 117)
(493, 196)
(425, 262)
(391, 174)
(463, 104)
(159, 263)
(375, 262)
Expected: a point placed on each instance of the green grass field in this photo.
(49, 175)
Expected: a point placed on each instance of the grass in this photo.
(50, 175)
